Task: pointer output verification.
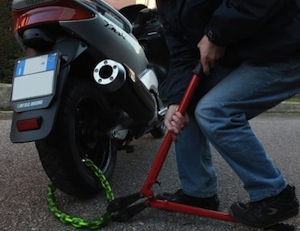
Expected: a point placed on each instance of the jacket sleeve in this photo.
(234, 20)
(183, 60)
(183, 56)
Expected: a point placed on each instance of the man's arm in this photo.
(233, 20)
(237, 19)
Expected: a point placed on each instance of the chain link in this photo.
(78, 222)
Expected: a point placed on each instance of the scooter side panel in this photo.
(108, 39)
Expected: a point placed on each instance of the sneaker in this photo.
(211, 203)
(269, 211)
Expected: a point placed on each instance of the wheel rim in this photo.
(91, 126)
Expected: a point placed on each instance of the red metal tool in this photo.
(124, 208)
(146, 190)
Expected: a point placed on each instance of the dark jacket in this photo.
(251, 30)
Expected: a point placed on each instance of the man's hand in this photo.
(175, 121)
(209, 53)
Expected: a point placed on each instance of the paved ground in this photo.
(23, 183)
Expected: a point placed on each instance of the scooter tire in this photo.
(80, 132)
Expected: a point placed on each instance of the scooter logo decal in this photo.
(30, 104)
(112, 27)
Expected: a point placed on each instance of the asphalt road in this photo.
(23, 183)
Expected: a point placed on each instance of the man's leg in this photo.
(196, 171)
(223, 115)
(194, 161)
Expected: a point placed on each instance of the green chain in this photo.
(78, 222)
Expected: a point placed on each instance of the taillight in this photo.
(29, 124)
(61, 11)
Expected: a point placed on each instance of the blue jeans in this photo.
(221, 118)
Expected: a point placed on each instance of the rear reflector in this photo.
(29, 124)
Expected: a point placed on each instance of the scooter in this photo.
(86, 86)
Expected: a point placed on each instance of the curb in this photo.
(6, 115)
(286, 107)
(5, 92)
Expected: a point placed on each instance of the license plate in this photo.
(34, 77)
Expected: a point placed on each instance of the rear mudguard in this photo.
(70, 50)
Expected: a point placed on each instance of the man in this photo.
(250, 54)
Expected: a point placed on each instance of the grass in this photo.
(293, 100)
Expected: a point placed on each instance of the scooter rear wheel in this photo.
(80, 132)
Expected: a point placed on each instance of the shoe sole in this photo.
(286, 216)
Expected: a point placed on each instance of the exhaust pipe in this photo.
(121, 84)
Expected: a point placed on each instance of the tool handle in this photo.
(197, 75)
(163, 151)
